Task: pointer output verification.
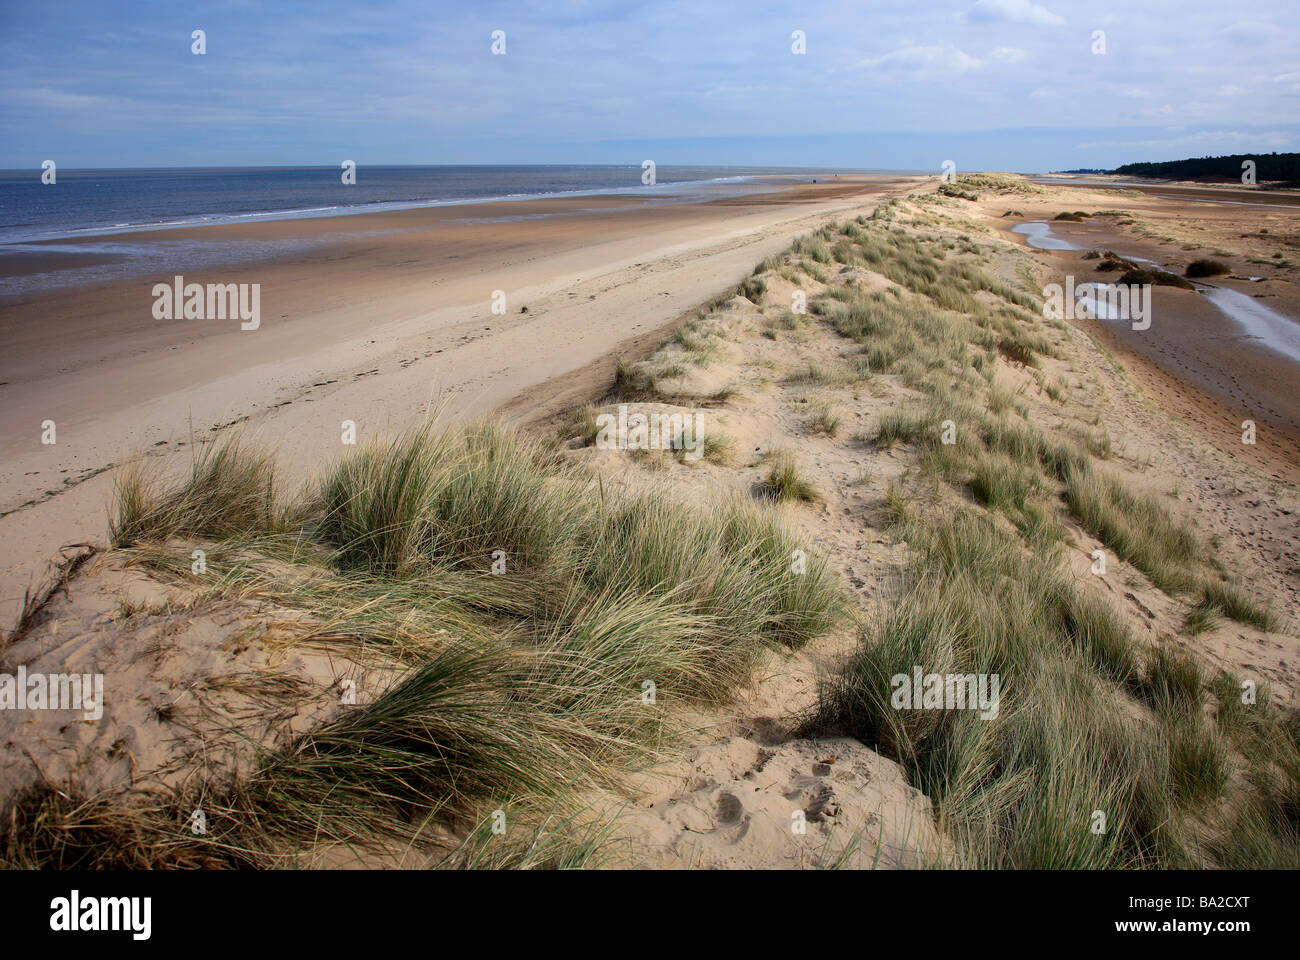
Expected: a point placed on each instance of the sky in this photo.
(987, 84)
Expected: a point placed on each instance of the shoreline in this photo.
(373, 330)
(692, 190)
(222, 244)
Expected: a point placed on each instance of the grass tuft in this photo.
(785, 483)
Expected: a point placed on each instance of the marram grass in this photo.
(511, 687)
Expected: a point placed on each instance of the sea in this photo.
(88, 202)
(89, 226)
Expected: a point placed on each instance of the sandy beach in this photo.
(384, 316)
(200, 670)
(596, 440)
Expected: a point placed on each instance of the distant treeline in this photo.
(1268, 166)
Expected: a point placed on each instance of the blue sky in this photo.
(989, 84)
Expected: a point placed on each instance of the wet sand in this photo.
(1199, 364)
(1184, 190)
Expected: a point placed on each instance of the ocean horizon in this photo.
(91, 202)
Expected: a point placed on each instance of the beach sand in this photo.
(1195, 362)
(374, 318)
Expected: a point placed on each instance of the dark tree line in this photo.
(1268, 166)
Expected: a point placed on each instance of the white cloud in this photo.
(1013, 11)
(1289, 81)
(48, 98)
(931, 59)
(1009, 54)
